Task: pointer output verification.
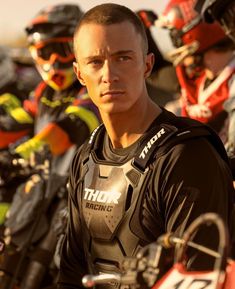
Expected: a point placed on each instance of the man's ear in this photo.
(78, 73)
(149, 62)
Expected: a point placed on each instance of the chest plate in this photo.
(109, 196)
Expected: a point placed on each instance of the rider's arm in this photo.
(73, 262)
(229, 106)
(72, 127)
(15, 121)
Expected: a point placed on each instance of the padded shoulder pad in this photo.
(165, 136)
(196, 132)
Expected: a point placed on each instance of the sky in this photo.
(15, 14)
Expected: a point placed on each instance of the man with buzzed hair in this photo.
(164, 170)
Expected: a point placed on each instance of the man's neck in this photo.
(127, 127)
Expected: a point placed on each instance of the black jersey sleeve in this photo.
(194, 180)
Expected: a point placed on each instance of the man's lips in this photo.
(112, 92)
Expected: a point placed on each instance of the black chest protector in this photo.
(112, 194)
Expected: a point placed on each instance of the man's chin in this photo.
(112, 109)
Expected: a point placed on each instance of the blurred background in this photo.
(15, 14)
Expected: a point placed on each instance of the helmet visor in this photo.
(45, 51)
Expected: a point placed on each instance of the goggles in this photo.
(59, 48)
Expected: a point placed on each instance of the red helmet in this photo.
(187, 30)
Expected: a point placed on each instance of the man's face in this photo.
(215, 61)
(112, 65)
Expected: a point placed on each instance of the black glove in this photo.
(6, 159)
(11, 166)
(148, 17)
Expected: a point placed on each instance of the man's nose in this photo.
(109, 72)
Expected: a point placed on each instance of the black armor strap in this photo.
(153, 139)
(93, 142)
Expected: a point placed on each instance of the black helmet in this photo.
(222, 11)
(211, 10)
(53, 21)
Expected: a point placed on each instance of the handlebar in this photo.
(89, 281)
(128, 278)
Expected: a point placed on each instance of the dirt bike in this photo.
(143, 270)
(34, 222)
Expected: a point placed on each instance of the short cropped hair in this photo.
(110, 13)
